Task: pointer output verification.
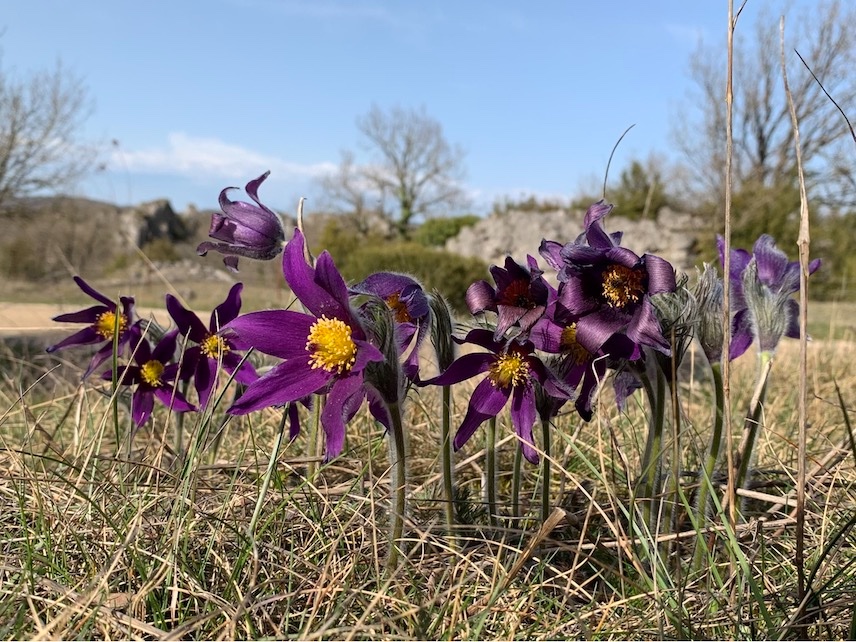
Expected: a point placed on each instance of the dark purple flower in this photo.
(763, 283)
(244, 229)
(213, 350)
(556, 333)
(519, 298)
(511, 368)
(154, 374)
(101, 323)
(608, 287)
(406, 298)
(324, 351)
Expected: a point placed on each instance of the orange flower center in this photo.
(105, 324)
(622, 285)
(399, 309)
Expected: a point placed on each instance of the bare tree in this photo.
(764, 155)
(40, 122)
(413, 170)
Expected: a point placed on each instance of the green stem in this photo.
(752, 421)
(446, 460)
(274, 455)
(515, 482)
(490, 470)
(398, 477)
(652, 458)
(706, 477)
(315, 439)
(546, 506)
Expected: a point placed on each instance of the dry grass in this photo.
(134, 545)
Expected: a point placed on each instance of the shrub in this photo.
(436, 231)
(357, 257)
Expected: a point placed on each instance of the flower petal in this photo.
(188, 323)
(523, 418)
(469, 365)
(487, 401)
(280, 333)
(333, 415)
(288, 381)
(228, 310)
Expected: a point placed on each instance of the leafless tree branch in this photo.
(40, 123)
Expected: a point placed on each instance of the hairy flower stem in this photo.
(515, 482)
(490, 470)
(315, 439)
(752, 421)
(546, 506)
(446, 460)
(706, 476)
(398, 478)
(651, 469)
(274, 455)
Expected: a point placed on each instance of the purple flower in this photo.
(406, 298)
(213, 349)
(556, 332)
(608, 287)
(763, 283)
(154, 374)
(511, 369)
(519, 298)
(101, 323)
(324, 351)
(252, 231)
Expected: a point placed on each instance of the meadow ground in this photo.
(109, 532)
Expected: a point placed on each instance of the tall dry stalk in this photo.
(803, 242)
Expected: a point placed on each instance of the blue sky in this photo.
(201, 95)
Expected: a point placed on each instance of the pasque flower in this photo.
(608, 287)
(762, 283)
(581, 370)
(324, 351)
(406, 298)
(154, 373)
(519, 298)
(101, 321)
(213, 350)
(244, 229)
(511, 369)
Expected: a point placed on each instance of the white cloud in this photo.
(191, 156)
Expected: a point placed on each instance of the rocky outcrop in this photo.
(671, 235)
(142, 224)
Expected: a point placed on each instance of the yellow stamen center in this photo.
(517, 295)
(214, 347)
(399, 309)
(105, 324)
(622, 285)
(569, 345)
(509, 369)
(331, 346)
(151, 372)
